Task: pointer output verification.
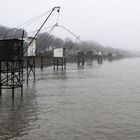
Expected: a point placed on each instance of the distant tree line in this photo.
(10, 33)
(46, 42)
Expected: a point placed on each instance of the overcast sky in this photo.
(113, 23)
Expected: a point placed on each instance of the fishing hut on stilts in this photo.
(81, 58)
(30, 48)
(12, 53)
(59, 58)
(99, 57)
(11, 65)
(30, 55)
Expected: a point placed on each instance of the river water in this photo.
(94, 102)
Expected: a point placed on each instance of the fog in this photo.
(114, 23)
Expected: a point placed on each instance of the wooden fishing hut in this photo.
(81, 58)
(100, 57)
(30, 54)
(59, 58)
(110, 57)
(89, 57)
(11, 65)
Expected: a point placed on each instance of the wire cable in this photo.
(33, 20)
(72, 45)
(77, 37)
(44, 29)
(46, 37)
(67, 30)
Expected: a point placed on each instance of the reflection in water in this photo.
(59, 74)
(17, 116)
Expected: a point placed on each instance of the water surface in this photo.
(94, 102)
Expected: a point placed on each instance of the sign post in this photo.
(59, 58)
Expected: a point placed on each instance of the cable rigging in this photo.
(46, 37)
(53, 9)
(27, 23)
(77, 37)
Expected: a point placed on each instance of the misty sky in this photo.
(113, 23)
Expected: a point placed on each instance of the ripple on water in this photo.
(100, 102)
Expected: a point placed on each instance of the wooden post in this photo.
(57, 62)
(34, 67)
(100, 59)
(21, 61)
(41, 63)
(0, 80)
(27, 70)
(62, 61)
(78, 62)
(13, 95)
(12, 78)
(54, 63)
(82, 61)
(65, 63)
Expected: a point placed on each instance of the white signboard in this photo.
(32, 48)
(31, 51)
(114, 55)
(58, 52)
(99, 53)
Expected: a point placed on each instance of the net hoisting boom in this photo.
(53, 9)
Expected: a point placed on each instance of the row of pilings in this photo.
(89, 57)
(12, 72)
